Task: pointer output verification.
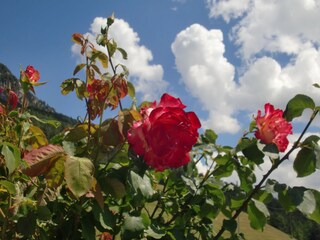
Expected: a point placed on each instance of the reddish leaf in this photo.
(120, 85)
(41, 160)
(111, 135)
(98, 195)
(77, 38)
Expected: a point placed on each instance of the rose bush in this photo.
(134, 175)
(166, 134)
(273, 128)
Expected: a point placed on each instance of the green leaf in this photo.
(252, 153)
(230, 225)
(115, 187)
(315, 215)
(142, 184)
(154, 232)
(252, 125)
(88, 230)
(96, 68)
(270, 150)
(105, 217)
(26, 225)
(79, 132)
(316, 149)
(67, 85)
(208, 209)
(236, 203)
(291, 198)
(54, 123)
(81, 89)
(112, 47)
(78, 68)
(305, 162)
(297, 105)
(9, 186)
(55, 175)
(308, 204)
(79, 175)
(131, 90)
(211, 136)
(103, 58)
(258, 214)
(133, 224)
(123, 53)
(247, 178)
(316, 85)
(309, 141)
(12, 156)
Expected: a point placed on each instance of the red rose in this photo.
(13, 99)
(166, 134)
(32, 74)
(273, 128)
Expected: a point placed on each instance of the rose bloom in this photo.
(272, 127)
(13, 99)
(32, 74)
(166, 134)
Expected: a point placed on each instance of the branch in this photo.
(265, 177)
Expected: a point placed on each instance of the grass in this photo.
(269, 232)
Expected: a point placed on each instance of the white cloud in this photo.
(265, 26)
(209, 77)
(207, 74)
(227, 9)
(265, 29)
(147, 77)
(286, 26)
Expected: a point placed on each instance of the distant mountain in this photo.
(36, 106)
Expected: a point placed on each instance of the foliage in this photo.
(294, 223)
(90, 182)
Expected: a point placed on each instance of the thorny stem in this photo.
(265, 177)
(87, 102)
(158, 203)
(114, 72)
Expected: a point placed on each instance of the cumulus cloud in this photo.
(227, 9)
(276, 26)
(207, 74)
(147, 77)
(265, 28)
(267, 81)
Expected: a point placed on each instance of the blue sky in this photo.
(224, 59)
